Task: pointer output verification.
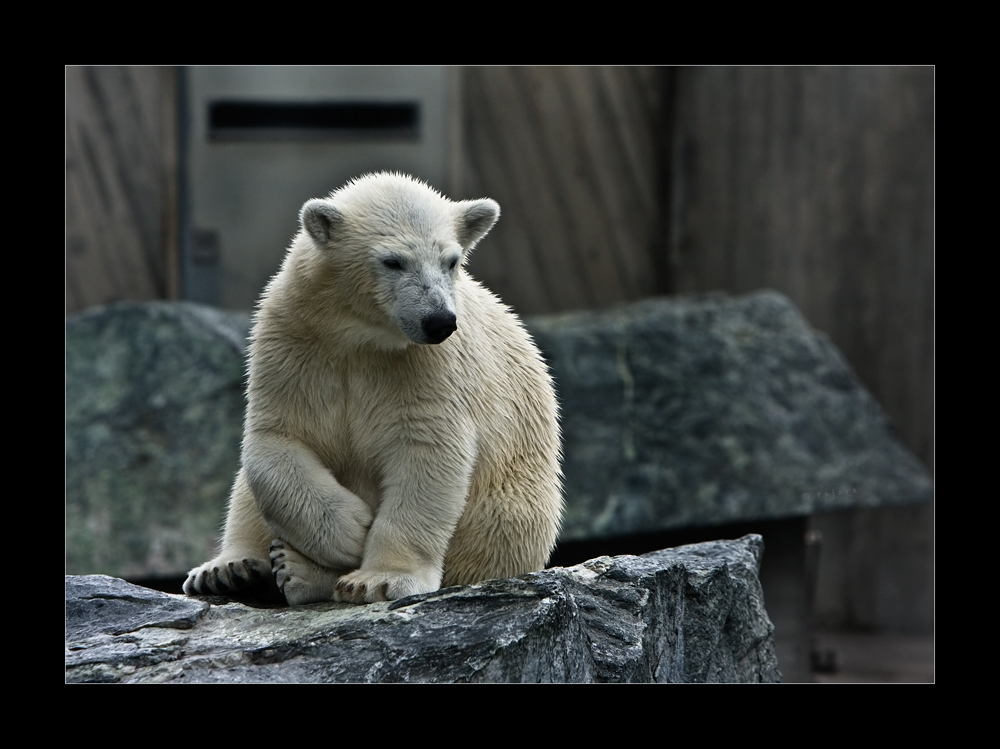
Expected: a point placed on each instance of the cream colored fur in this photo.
(378, 463)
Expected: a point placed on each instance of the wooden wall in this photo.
(573, 156)
(121, 184)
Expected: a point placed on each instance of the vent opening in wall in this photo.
(249, 120)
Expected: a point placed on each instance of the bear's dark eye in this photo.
(392, 263)
(453, 263)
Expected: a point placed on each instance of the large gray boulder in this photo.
(709, 410)
(154, 419)
(691, 614)
(675, 413)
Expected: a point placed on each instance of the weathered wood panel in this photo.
(819, 182)
(121, 184)
(573, 156)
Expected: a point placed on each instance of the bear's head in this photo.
(394, 249)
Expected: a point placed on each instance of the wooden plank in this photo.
(567, 152)
(624, 196)
(120, 183)
(510, 265)
(581, 245)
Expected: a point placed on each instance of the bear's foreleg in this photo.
(423, 497)
(303, 504)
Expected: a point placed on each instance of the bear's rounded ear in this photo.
(474, 220)
(320, 218)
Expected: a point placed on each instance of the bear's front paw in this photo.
(363, 586)
(347, 546)
(223, 576)
(300, 579)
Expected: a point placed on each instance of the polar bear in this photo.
(402, 430)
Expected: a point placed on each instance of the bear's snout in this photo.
(439, 326)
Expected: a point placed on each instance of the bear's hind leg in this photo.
(226, 576)
(300, 579)
(243, 560)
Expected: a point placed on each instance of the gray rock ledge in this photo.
(690, 614)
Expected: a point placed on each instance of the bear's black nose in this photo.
(439, 326)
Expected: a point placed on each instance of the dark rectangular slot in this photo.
(247, 120)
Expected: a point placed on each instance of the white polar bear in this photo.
(401, 431)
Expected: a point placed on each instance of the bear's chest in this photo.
(360, 412)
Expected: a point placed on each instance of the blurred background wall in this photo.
(616, 183)
(122, 178)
